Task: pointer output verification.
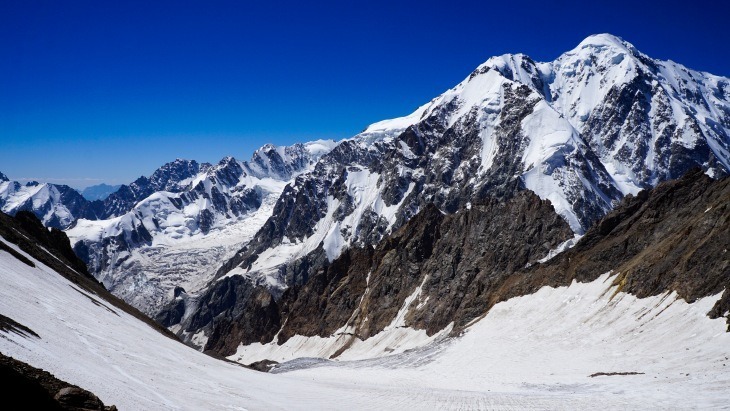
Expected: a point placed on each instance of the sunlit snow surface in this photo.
(530, 352)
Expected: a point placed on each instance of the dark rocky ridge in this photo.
(431, 244)
(672, 238)
(453, 256)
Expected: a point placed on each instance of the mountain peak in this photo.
(178, 162)
(3, 177)
(266, 148)
(227, 160)
(179, 168)
(605, 40)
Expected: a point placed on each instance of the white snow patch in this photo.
(565, 245)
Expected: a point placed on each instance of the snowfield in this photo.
(536, 351)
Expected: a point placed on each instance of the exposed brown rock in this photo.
(455, 257)
(253, 310)
(673, 238)
(31, 388)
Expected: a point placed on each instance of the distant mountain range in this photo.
(99, 191)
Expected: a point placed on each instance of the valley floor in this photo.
(537, 351)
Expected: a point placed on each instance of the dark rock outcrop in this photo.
(30, 388)
(234, 312)
(672, 238)
(452, 259)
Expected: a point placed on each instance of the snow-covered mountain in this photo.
(184, 220)
(439, 274)
(582, 345)
(513, 243)
(55, 205)
(600, 122)
(647, 120)
(172, 177)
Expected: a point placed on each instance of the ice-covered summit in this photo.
(284, 162)
(605, 40)
(645, 119)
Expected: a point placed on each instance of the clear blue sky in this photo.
(110, 90)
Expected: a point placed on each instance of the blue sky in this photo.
(108, 91)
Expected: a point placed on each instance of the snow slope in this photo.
(530, 352)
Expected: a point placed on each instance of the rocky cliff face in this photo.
(672, 238)
(444, 271)
(448, 261)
